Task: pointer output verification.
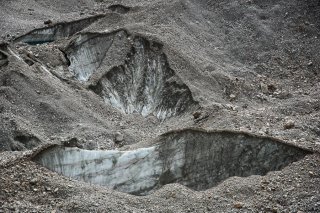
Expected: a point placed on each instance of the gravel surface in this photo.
(250, 65)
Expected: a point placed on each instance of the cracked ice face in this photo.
(195, 159)
(144, 84)
(87, 53)
(58, 31)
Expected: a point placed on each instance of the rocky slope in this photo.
(116, 77)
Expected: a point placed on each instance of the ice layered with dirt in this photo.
(196, 159)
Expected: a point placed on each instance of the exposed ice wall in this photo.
(55, 32)
(145, 84)
(195, 159)
(126, 171)
(87, 53)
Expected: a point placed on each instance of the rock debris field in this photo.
(160, 106)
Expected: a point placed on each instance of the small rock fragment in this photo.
(119, 137)
(196, 115)
(33, 181)
(16, 183)
(264, 88)
(238, 205)
(232, 97)
(289, 124)
(271, 88)
(48, 22)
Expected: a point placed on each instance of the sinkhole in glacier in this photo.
(144, 83)
(194, 158)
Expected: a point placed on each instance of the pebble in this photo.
(196, 115)
(232, 97)
(264, 88)
(47, 22)
(119, 137)
(16, 183)
(238, 205)
(33, 181)
(289, 124)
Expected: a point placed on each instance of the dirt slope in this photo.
(105, 75)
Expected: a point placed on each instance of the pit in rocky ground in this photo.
(143, 84)
(194, 158)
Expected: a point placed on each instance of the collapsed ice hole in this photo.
(146, 84)
(194, 158)
(143, 84)
(57, 31)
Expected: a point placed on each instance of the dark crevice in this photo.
(28, 61)
(3, 59)
(65, 57)
(118, 8)
(3, 55)
(27, 141)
